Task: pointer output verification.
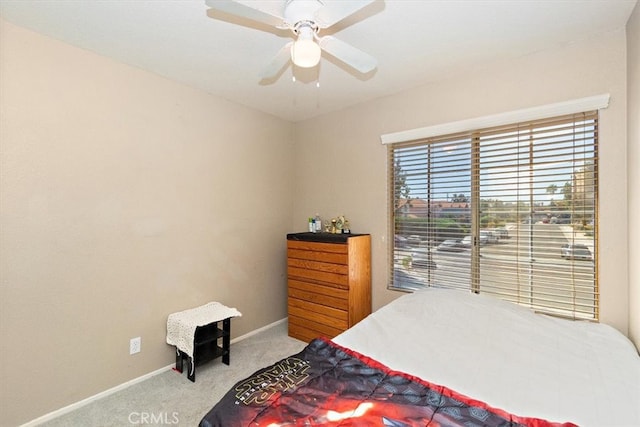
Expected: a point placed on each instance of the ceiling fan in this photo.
(305, 18)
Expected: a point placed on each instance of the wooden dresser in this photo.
(329, 283)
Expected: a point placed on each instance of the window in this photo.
(509, 211)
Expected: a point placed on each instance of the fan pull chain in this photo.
(295, 86)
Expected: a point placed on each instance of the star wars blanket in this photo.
(328, 385)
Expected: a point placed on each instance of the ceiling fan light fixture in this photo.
(305, 52)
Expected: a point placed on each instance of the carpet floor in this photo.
(169, 398)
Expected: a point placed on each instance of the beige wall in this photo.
(125, 197)
(633, 163)
(341, 164)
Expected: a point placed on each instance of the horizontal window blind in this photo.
(509, 211)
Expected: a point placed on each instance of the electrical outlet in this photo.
(134, 345)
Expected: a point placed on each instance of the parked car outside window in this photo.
(484, 239)
(422, 259)
(502, 233)
(400, 241)
(575, 251)
(487, 236)
(414, 240)
(451, 246)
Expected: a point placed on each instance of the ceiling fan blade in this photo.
(281, 59)
(348, 54)
(335, 11)
(239, 9)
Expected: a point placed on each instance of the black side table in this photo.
(206, 347)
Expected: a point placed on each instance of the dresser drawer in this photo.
(318, 276)
(314, 255)
(306, 330)
(318, 313)
(319, 294)
(338, 248)
(318, 266)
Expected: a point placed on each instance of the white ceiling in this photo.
(414, 41)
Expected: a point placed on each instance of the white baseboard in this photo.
(69, 408)
(257, 331)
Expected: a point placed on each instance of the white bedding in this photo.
(507, 356)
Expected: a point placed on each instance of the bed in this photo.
(445, 357)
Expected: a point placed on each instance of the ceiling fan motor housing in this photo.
(301, 12)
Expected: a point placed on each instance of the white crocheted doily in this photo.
(181, 326)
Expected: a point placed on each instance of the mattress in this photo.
(507, 356)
